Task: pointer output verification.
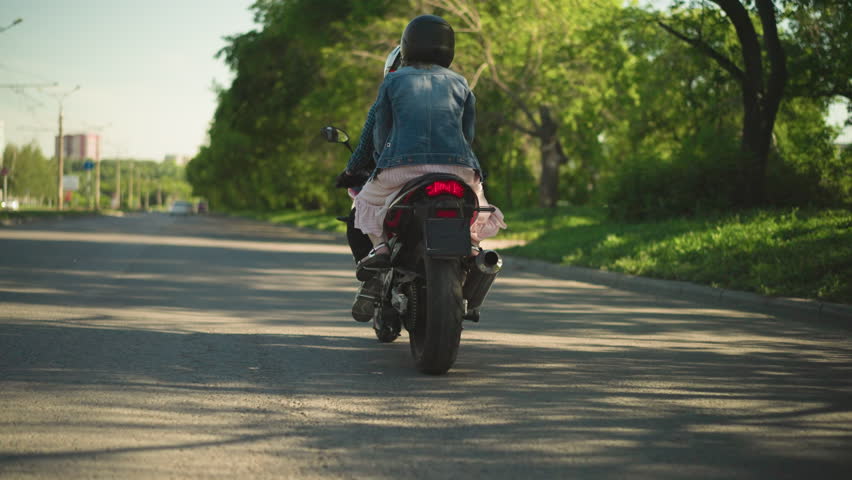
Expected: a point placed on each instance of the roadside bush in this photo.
(700, 177)
(807, 168)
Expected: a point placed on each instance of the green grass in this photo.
(789, 253)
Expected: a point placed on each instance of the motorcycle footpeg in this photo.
(472, 315)
(368, 273)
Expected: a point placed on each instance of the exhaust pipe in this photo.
(483, 271)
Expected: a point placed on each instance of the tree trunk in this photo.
(753, 164)
(760, 99)
(552, 157)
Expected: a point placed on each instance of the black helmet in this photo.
(428, 39)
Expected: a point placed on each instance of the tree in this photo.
(570, 95)
(762, 84)
(32, 177)
(538, 56)
(289, 80)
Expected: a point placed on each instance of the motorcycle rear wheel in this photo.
(437, 333)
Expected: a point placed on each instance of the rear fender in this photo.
(411, 199)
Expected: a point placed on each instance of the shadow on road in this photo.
(506, 411)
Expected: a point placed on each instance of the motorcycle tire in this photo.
(437, 334)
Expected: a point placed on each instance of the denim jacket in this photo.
(424, 115)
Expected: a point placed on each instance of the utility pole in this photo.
(3, 172)
(130, 201)
(61, 149)
(98, 176)
(90, 192)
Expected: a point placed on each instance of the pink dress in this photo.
(372, 203)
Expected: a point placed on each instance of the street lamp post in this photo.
(5, 173)
(100, 131)
(61, 148)
(130, 202)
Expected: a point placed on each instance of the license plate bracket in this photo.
(447, 237)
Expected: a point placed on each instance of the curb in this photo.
(813, 308)
(22, 220)
(26, 220)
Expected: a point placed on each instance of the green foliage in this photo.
(819, 47)
(294, 76)
(702, 175)
(155, 184)
(808, 169)
(649, 125)
(678, 151)
(33, 180)
(782, 253)
(699, 177)
(32, 177)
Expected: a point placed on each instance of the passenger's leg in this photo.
(359, 243)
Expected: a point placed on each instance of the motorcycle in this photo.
(435, 281)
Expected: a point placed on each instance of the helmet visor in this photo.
(392, 62)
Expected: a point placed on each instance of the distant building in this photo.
(180, 160)
(79, 147)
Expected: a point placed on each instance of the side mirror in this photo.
(335, 135)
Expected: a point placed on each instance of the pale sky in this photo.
(145, 70)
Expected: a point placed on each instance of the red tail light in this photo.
(446, 213)
(441, 187)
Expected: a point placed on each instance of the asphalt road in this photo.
(202, 347)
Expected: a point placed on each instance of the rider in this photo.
(361, 164)
(424, 123)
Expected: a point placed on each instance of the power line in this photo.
(28, 85)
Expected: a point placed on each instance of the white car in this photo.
(181, 207)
